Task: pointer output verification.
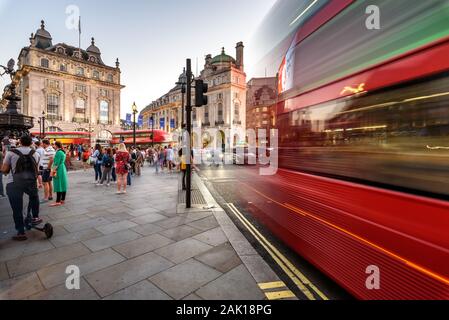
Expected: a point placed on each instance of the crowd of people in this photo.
(30, 164)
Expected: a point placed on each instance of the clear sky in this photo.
(152, 38)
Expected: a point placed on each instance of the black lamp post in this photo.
(182, 82)
(43, 124)
(135, 111)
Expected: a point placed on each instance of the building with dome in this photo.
(226, 110)
(75, 89)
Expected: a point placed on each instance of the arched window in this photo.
(96, 74)
(110, 78)
(52, 106)
(194, 115)
(45, 63)
(54, 129)
(220, 114)
(62, 67)
(80, 108)
(104, 112)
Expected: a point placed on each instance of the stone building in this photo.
(261, 103)
(74, 87)
(226, 110)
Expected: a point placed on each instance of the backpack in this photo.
(107, 162)
(26, 170)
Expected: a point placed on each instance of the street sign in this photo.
(162, 123)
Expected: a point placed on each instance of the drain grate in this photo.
(197, 197)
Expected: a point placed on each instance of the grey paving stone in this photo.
(243, 248)
(35, 262)
(143, 245)
(180, 233)
(55, 275)
(111, 240)
(88, 224)
(194, 216)
(192, 297)
(149, 218)
(148, 229)
(205, 224)
(3, 271)
(20, 287)
(141, 211)
(70, 238)
(212, 237)
(143, 290)
(259, 269)
(62, 293)
(237, 284)
(125, 274)
(173, 222)
(115, 227)
(175, 282)
(222, 258)
(23, 249)
(183, 250)
(117, 217)
(67, 221)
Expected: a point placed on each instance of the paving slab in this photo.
(111, 240)
(148, 229)
(149, 218)
(125, 274)
(205, 224)
(55, 275)
(237, 284)
(87, 224)
(143, 290)
(3, 271)
(71, 238)
(24, 249)
(183, 250)
(214, 237)
(116, 227)
(175, 282)
(20, 287)
(23, 265)
(62, 293)
(222, 258)
(143, 245)
(180, 233)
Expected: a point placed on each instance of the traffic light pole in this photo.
(189, 135)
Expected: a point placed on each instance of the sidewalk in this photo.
(142, 245)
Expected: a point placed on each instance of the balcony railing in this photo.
(52, 117)
(206, 124)
(219, 123)
(80, 120)
(237, 122)
(104, 122)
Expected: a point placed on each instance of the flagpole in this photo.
(79, 37)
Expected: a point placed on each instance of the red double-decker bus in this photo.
(144, 138)
(363, 120)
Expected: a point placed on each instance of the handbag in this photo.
(53, 173)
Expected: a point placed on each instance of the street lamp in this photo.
(182, 82)
(135, 111)
(43, 124)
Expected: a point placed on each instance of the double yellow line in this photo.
(298, 278)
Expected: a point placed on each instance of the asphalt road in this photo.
(229, 184)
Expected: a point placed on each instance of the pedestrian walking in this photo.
(122, 159)
(139, 162)
(59, 174)
(107, 165)
(21, 166)
(170, 158)
(86, 155)
(96, 159)
(45, 163)
(114, 167)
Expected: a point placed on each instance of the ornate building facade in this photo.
(226, 110)
(261, 103)
(75, 89)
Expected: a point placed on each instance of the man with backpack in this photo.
(21, 166)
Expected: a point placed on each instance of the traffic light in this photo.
(201, 89)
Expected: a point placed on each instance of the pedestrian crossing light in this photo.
(201, 89)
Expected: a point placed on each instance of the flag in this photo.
(128, 118)
(140, 121)
(79, 24)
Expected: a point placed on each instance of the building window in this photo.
(220, 96)
(96, 74)
(194, 115)
(110, 78)
(80, 88)
(104, 112)
(45, 63)
(52, 106)
(62, 67)
(206, 114)
(104, 93)
(54, 129)
(80, 71)
(236, 112)
(80, 109)
(53, 84)
(220, 112)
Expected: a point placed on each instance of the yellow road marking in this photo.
(272, 285)
(279, 295)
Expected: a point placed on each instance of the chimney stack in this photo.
(239, 55)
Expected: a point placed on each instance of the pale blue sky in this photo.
(152, 38)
